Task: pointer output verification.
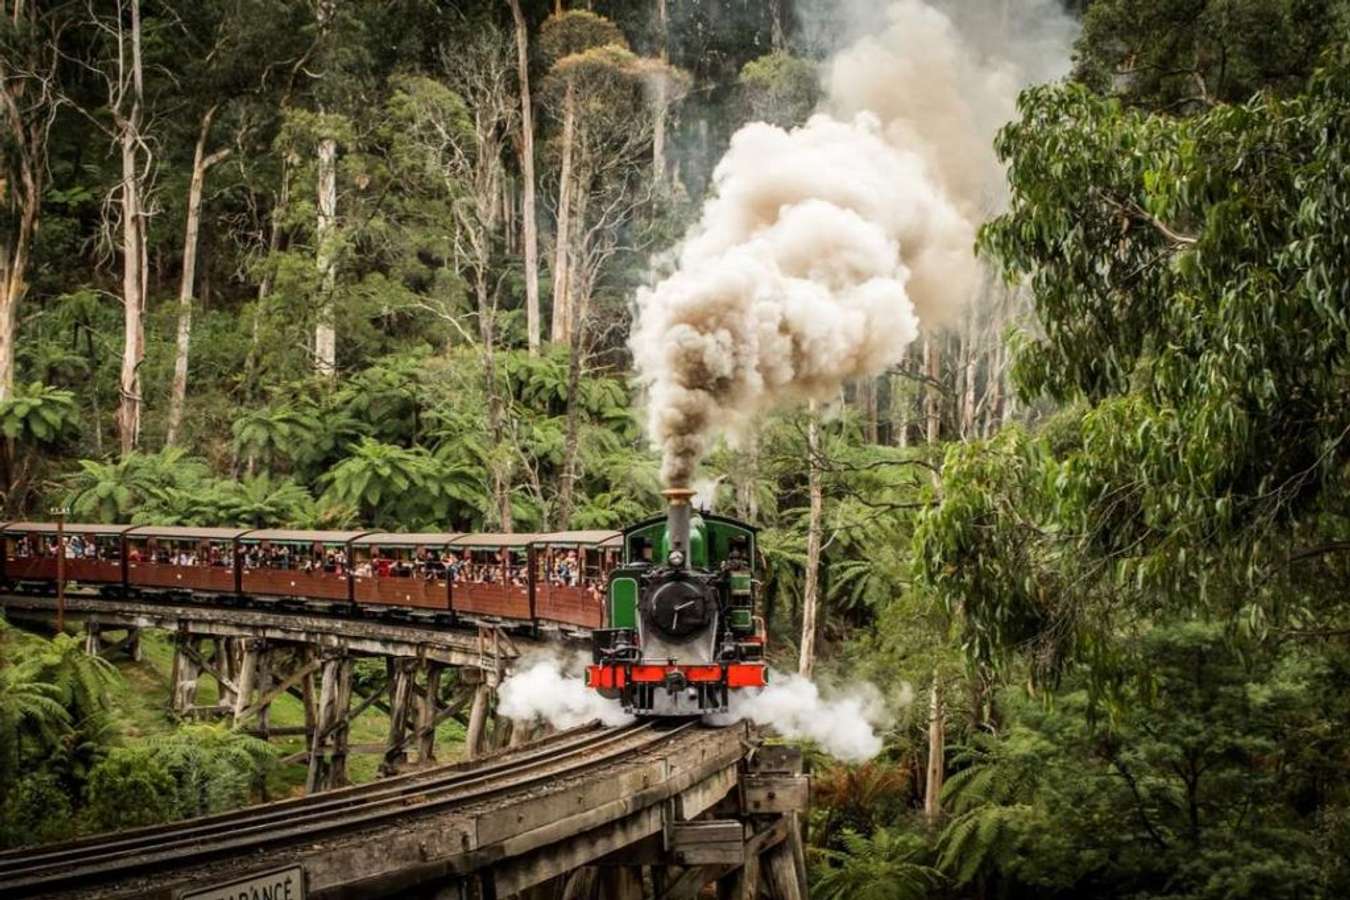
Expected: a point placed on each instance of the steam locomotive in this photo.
(682, 631)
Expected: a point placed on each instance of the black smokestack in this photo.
(677, 522)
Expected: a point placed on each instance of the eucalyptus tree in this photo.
(458, 137)
(567, 36)
(1185, 57)
(29, 96)
(779, 88)
(528, 212)
(1188, 280)
(117, 64)
(232, 49)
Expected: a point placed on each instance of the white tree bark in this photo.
(932, 363)
(662, 102)
(200, 163)
(530, 221)
(811, 589)
(561, 277)
(131, 88)
(325, 330)
(937, 750)
(27, 106)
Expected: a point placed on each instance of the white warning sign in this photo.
(281, 884)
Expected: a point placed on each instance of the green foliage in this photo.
(132, 788)
(112, 491)
(55, 727)
(35, 810)
(780, 89)
(383, 481)
(1185, 56)
(881, 866)
(196, 771)
(273, 433)
(1194, 300)
(1195, 789)
(39, 414)
(577, 31)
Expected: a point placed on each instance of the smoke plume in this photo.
(825, 247)
(845, 726)
(551, 689)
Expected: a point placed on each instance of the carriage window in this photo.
(317, 559)
(399, 562)
(181, 553)
(489, 566)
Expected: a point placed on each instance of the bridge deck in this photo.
(515, 819)
(453, 646)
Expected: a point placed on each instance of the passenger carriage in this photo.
(571, 570)
(94, 552)
(303, 565)
(183, 558)
(491, 576)
(406, 570)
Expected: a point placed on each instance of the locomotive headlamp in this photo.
(676, 558)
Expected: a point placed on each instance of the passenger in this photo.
(363, 569)
(383, 565)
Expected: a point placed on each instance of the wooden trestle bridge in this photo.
(648, 810)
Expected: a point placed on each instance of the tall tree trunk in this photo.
(18, 241)
(325, 331)
(13, 276)
(561, 276)
(527, 215)
(661, 102)
(993, 412)
(200, 163)
(265, 284)
(779, 35)
(24, 117)
(811, 589)
(932, 363)
(970, 356)
(500, 468)
(867, 389)
(937, 750)
(567, 483)
(746, 480)
(133, 249)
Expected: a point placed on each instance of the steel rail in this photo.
(616, 744)
(29, 858)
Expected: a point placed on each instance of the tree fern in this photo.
(884, 866)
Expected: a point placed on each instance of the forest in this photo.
(1085, 533)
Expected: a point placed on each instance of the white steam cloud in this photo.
(846, 725)
(826, 246)
(550, 689)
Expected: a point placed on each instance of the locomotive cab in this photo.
(682, 634)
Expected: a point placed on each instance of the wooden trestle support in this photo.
(417, 693)
(748, 846)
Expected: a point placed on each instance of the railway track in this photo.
(127, 854)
